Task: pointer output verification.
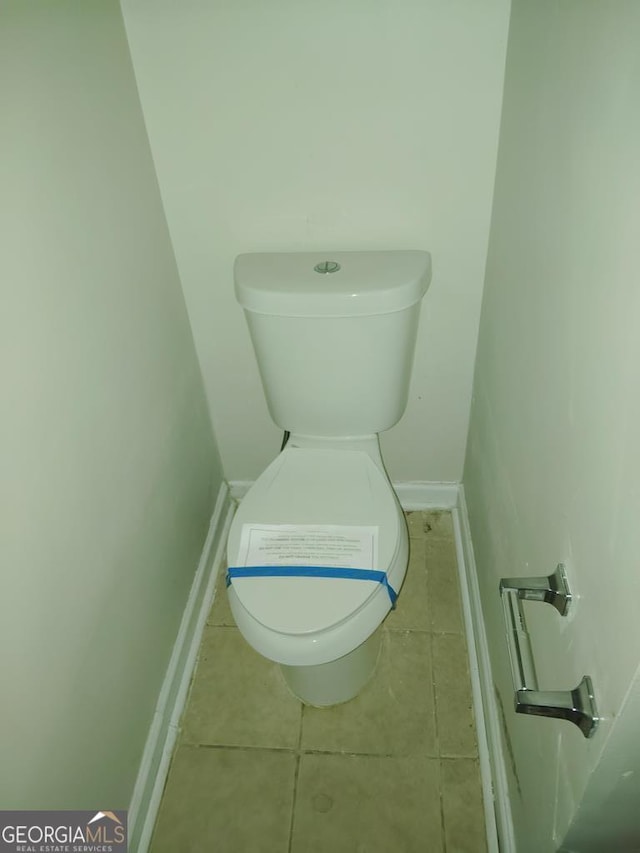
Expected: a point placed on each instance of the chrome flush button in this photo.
(325, 267)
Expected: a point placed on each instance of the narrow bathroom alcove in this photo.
(396, 768)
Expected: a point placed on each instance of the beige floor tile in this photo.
(412, 611)
(454, 711)
(443, 590)
(462, 806)
(430, 524)
(367, 804)
(370, 779)
(238, 698)
(220, 613)
(416, 524)
(438, 524)
(227, 800)
(393, 715)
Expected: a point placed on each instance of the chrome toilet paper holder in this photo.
(577, 705)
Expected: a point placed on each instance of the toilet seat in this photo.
(340, 488)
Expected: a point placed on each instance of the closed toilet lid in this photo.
(311, 491)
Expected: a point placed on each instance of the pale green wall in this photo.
(109, 467)
(289, 125)
(553, 457)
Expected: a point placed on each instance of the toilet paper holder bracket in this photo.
(578, 705)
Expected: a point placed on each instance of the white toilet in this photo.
(318, 548)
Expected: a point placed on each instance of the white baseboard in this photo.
(161, 739)
(427, 495)
(416, 495)
(500, 834)
(239, 488)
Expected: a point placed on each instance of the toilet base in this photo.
(338, 681)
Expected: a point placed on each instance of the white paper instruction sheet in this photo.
(348, 546)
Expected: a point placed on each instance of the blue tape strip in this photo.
(312, 572)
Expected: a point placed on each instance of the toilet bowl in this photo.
(318, 548)
(310, 621)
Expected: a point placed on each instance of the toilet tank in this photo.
(334, 335)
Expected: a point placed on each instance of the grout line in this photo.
(473, 758)
(295, 778)
(404, 629)
(434, 633)
(293, 801)
(442, 824)
(299, 746)
(301, 752)
(243, 747)
(434, 697)
(345, 754)
(437, 731)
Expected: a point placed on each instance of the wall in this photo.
(109, 468)
(301, 125)
(607, 816)
(553, 461)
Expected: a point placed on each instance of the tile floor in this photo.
(393, 771)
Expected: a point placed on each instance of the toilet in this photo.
(318, 548)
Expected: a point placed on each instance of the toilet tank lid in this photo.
(301, 284)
